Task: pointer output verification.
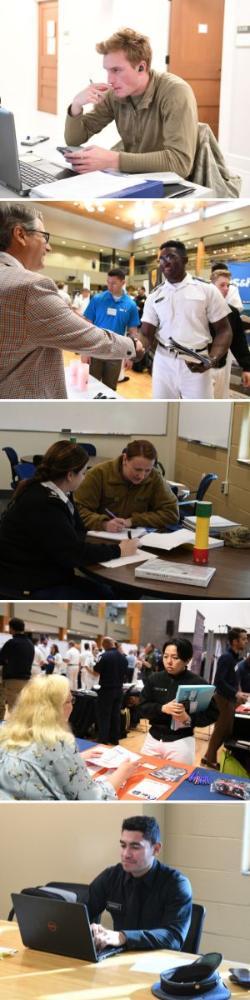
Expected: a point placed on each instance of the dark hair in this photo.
(61, 458)
(184, 648)
(16, 624)
(15, 214)
(147, 825)
(55, 648)
(144, 448)
(235, 633)
(182, 250)
(116, 272)
(220, 266)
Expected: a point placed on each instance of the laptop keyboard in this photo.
(31, 176)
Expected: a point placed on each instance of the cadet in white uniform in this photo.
(182, 308)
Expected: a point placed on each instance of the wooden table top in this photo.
(34, 975)
(231, 580)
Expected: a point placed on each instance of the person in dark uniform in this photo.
(227, 694)
(113, 670)
(150, 903)
(16, 658)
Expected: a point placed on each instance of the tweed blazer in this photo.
(36, 325)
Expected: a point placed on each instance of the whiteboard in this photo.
(206, 423)
(105, 417)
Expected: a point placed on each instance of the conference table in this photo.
(231, 580)
(129, 976)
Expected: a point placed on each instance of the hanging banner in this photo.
(198, 642)
(241, 277)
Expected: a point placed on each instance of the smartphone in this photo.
(33, 140)
(68, 149)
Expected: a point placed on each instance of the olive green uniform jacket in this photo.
(158, 129)
(152, 503)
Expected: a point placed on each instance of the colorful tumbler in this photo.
(200, 550)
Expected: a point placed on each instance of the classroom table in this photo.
(183, 791)
(35, 974)
(231, 580)
(30, 974)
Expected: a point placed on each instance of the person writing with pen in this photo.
(127, 492)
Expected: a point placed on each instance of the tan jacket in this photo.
(36, 325)
(158, 129)
(152, 503)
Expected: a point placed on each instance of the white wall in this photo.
(234, 134)
(18, 54)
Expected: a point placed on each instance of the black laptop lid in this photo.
(54, 926)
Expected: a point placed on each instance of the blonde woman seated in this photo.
(38, 753)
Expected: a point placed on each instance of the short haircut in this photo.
(141, 448)
(116, 272)
(16, 624)
(15, 214)
(147, 825)
(184, 648)
(235, 633)
(182, 250)
(220, 266)
(135, 46)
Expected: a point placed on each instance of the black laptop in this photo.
(20, 175)
(57, 927)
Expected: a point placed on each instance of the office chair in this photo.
(13, 460)
(89, 448)
(188, 506)
(24, 470)
(192, 942)
(80, 888)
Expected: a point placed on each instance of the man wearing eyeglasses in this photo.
(35, 324)
(181, 310)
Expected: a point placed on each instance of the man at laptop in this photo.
(155, 113)
(150, 903)
(35, 324)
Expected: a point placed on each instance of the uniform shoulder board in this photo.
(157, 288)
(204, 281)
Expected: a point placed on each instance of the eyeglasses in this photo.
(39, 232)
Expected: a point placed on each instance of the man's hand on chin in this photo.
(92, 158)
(106, 938)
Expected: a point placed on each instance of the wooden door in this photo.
(195, 49)
(47, 61)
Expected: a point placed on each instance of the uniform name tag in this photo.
(111, 312)
(113, 906)
(161, 299)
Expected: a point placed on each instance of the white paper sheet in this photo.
(112, 758)
(117, 536)
(148, 789)
(124, 561)
(159, 962)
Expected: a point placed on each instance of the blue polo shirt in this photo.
(114, 314)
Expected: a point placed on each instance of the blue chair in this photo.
(13, 460)
(24, 470)
(188, 506)
(89, 448)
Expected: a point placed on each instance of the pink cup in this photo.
(74, 368)
(83, 377)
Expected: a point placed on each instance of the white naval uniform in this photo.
(73, 659)
(183, 311)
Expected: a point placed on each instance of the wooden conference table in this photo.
(34, 974)
(231, 580)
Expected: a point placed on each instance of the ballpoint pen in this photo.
(110, 513)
